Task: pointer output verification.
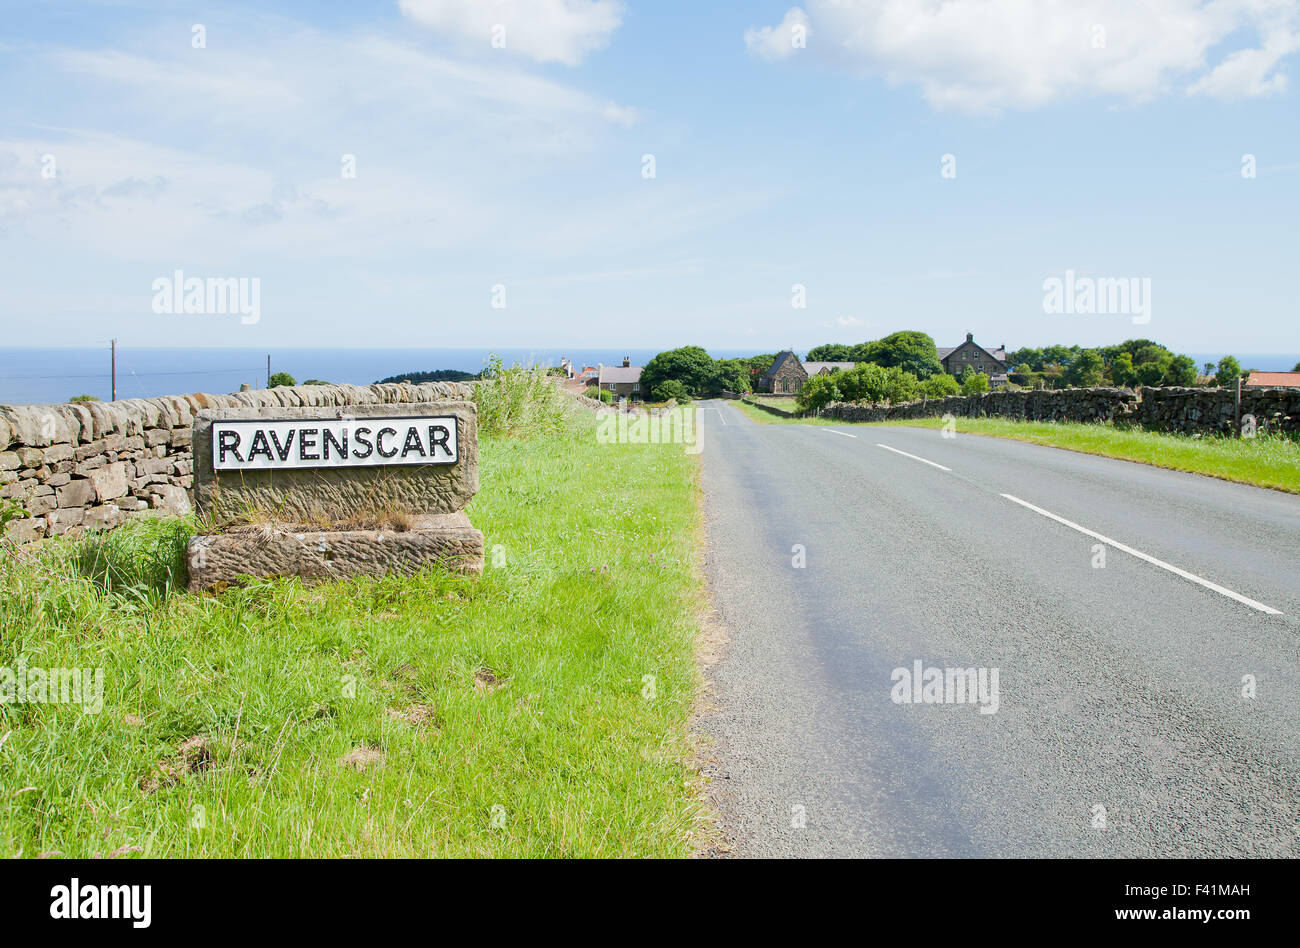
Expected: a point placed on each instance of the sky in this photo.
(648, 173)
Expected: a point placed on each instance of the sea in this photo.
(42, 376)
(47, 375)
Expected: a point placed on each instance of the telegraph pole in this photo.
(114, 369)
(268, 370)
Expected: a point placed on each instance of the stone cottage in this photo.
(992, 362)
(623, 380)
(785, 377)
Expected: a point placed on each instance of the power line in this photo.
(142, 375)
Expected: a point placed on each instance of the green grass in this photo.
(1266, 461)
(524, 690)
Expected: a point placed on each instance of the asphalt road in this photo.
(1121, 727)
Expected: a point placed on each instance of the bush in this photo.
(973, 383)
(281, 380)
(518, 401)
(671, 388)
(83, 398)
(818, 392)
(940, 386)
(316, 382)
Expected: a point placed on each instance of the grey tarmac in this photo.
(1121, 686)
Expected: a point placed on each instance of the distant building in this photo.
(786, 375)
(623, 380)
(1272, 380)
(826, 368)
(992, 362)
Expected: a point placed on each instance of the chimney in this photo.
(970, 337)
(627, 362)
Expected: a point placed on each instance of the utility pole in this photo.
(113, 362)
(268, 370)
(1238, 412)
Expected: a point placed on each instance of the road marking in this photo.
(1150, 559)
(912, 456)
(719, 411)
(842, 434)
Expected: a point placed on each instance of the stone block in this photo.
(65, 519)
(109, 482)
(25, 530)
(170, 498)
(102, 517)
(337, 493)
(75, 494)
(445, 540)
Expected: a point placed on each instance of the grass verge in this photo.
(541, 710)
(1267, 461)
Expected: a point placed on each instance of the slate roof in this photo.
(619, 374)
(814, 368)
(999, 353)
(779, 361)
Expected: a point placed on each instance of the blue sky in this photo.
(1115, 154)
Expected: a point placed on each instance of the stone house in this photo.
(992, 362)
(623, 380)
(785, 377)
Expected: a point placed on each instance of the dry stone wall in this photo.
(89, 466)
(1179, 410)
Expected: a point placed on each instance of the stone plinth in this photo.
(265, 551)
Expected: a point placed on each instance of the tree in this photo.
(940, 386)
(908, 350)
(1086, 369)
(1296, 369)
(972, 382)
(690, 365)
(819, 391)
(670, 389)
(731, 375)
(1229, 370)
(281, 380)
(830, 352)
(83, 398)
(1122, 372)
(1182, 371)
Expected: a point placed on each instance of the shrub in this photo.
(671, 388)
(972, 382)
(83, 398)
(518, 401)
(940, 386)
(281, 380)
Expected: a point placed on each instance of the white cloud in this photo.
(988, 55)
(562, 31)
(782, 41)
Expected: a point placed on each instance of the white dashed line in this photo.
(842, 434)
(1150, 559)
(912, 456)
